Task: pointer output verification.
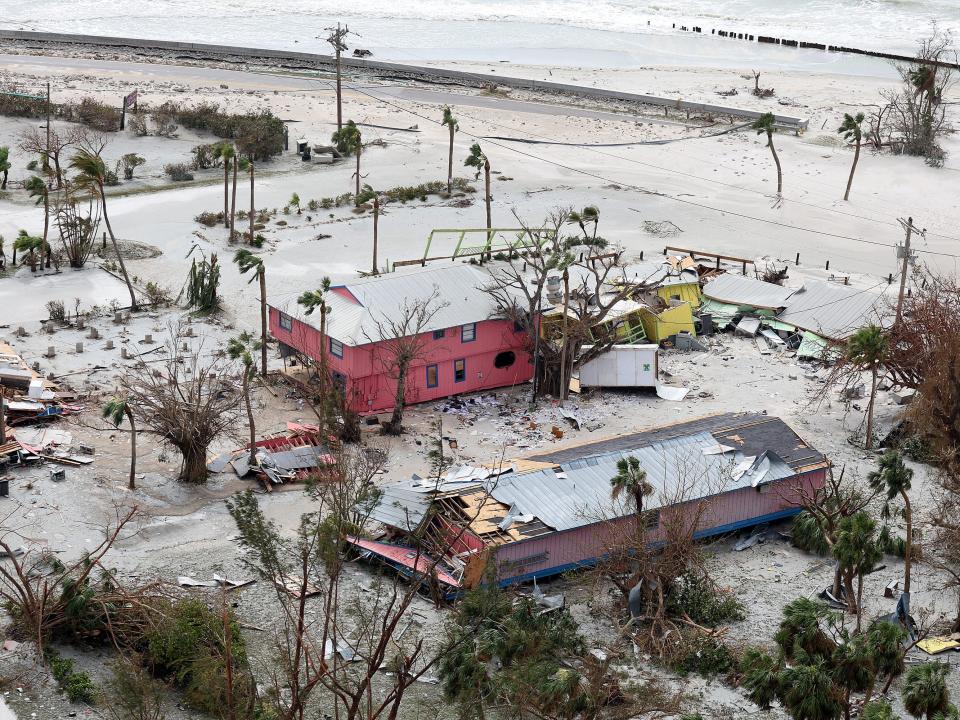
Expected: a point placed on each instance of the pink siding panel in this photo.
(582, 546)
(370, 387)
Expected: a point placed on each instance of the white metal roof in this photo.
(679, 470)
(834, 311)
(460, 299)
(744, 290)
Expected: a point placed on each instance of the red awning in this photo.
(408, 557)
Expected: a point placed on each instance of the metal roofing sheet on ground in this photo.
(745, 290)
(834, 311)
(678, 469)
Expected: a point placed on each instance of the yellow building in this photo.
(660, 326)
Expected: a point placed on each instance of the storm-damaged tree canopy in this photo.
(187, 399)
(596, 287)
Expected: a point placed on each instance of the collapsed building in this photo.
(555, 512)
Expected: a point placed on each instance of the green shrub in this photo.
(75, 684)
(696, 596)
(178, 172)
(209, 219)
(705, 656)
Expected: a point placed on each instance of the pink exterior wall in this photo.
(371, 389)
(582, 546)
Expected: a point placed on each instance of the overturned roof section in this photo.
(834, 311)
(744, 290)
(828, 309)
(359, 307)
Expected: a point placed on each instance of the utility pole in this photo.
(46, 156)
(564, 383)
(335, 38)
(376, 218)
(904, 251)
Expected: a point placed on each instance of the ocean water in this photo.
(608, 31)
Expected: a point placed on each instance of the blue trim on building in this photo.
(590, 562)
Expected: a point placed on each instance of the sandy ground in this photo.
(187, 530)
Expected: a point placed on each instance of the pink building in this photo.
(722, 472)
(464, 347)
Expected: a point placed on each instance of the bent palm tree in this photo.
(37, 188)
(31, 245)
(247, 261)
(631, 479)
(852, 130)
(476, 159)
(452, 125)
(92, 175)
(590, 215)
(115, 410)
(242, 348)
(867, 349)
(765, 124)
(893, 478)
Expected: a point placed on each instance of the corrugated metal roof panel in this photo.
(834, 311)
(678, 469)
(459, 287)
(744, 290)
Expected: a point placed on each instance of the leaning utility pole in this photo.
(904, 251)
(335, 38)
(376, 218)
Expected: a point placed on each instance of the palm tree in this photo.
(247, 261)
(4, 165)
(925, 693)
(233, 195)
(851, 129)
(809, 692)
(852, 669)
(29, 244)
(893, 477)
(878, 710)
(242, 348)
(866, 350)
(452, 125)
(311, 300)
(295, 202)
(348, 140)
(765, 124)
(857, 551)
(226, 152)
(590, 215)
(476, 159)
(631, 479)
(92, 178)
(115, 410)
(886, 652)
(37, 188)
(252, 209)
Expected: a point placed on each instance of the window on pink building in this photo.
(433, 376)
(437, 334)
(286, 322)
(459, 370)
(468, 333)
(336, 348)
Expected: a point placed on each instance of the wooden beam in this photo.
(694, 253)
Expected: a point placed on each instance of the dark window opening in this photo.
(459, 370)
(437, 334)
(504, 359)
